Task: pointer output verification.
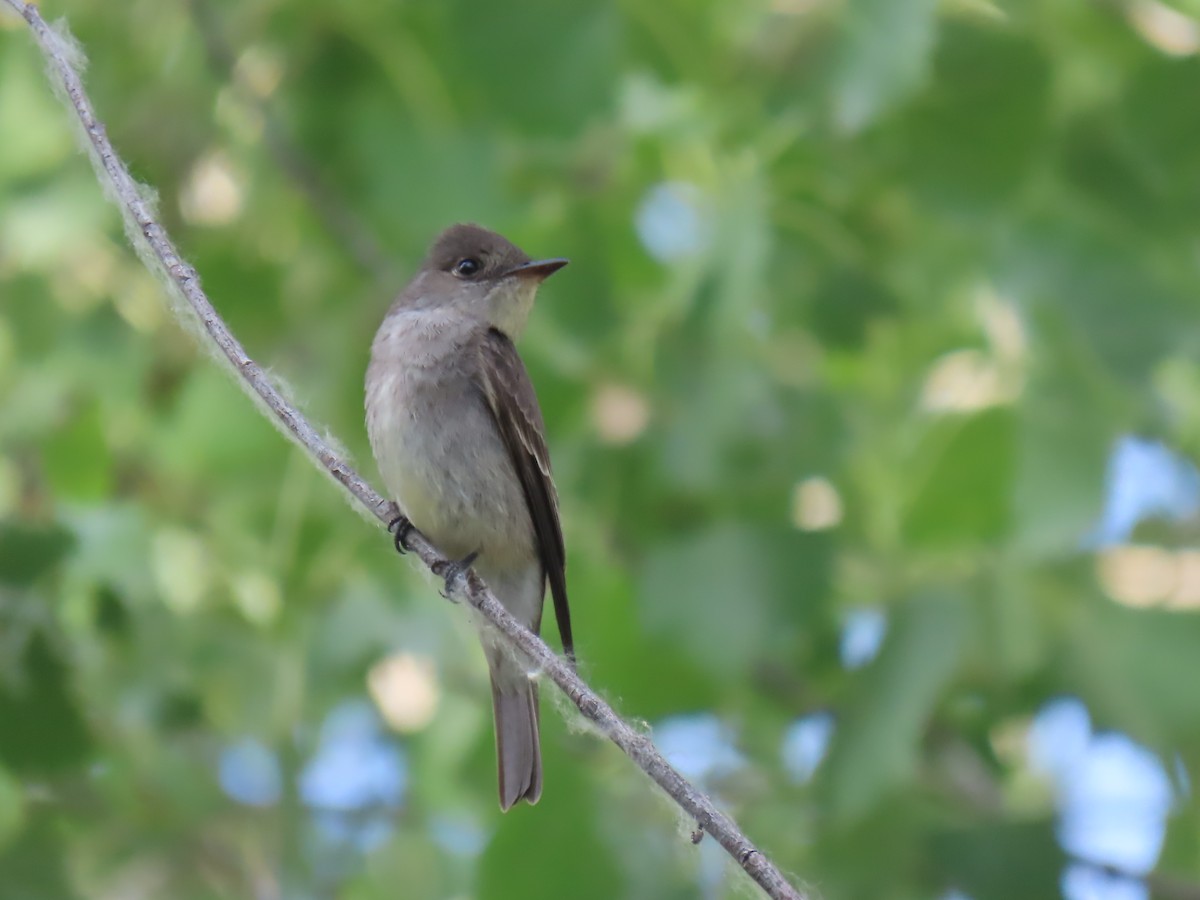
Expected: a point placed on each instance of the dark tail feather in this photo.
(518, 748)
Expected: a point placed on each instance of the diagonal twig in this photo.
(193, 306)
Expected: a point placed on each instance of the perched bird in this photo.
(457, 433)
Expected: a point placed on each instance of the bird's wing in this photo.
(510, 396)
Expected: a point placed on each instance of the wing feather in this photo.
(510, 396)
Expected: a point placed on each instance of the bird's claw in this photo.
(453, 573)
(401, 528)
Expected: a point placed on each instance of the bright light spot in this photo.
(805, 744)
(257, 597)
(964, 381)
(1002, 324)
(619, 413)
(260, 70)
(249, 772)
(458, 835)
(86, 276)
(212, 194)
(700, 746)
(356, 780)
(1183, 784)
(241, 120)
(1115, 802)
(647, 106)
(1113, 797)
(1009, 740)
(1138, 576)
(816, 505)
(1186, 594)
(1059, 736)
(181, 570)
(139, 302)
(405, 689)
(862, 636)
(365, 833)
(671, 221)
(1145, 480)
(1080, 882)
(1166, 29)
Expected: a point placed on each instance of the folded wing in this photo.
(510, 396)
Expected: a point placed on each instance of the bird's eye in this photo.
(465, 268)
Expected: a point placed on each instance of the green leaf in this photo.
(34, 865)
(77, 459)
(964, 475)
(38, 139)
(1159, 138)
(29, 551)
(534, 853)
(1001, 860)
(975, 134)
(46, 731)
(845, 306)
(1119, 309)
(1136, 670)
(876, 745)
(733, 596)
(12, 807)
(1062, 447)
(504, 60)
(884, 57)
(217, 428)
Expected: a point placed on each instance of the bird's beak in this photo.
(538, 268)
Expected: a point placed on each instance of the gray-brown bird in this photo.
(458, 436)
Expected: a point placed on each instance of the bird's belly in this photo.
(444, 463)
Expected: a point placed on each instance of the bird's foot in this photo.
(401, 528)
(454, 572)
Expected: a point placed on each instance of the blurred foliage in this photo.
(939, 255)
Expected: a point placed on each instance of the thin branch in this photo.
(151, 240)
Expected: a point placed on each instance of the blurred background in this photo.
(873, 396)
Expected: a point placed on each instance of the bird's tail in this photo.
(518, 747)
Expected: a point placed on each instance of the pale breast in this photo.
(436, 444)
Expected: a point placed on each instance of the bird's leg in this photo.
(454, 571)
(401, 527)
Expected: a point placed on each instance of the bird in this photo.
(457, 433)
